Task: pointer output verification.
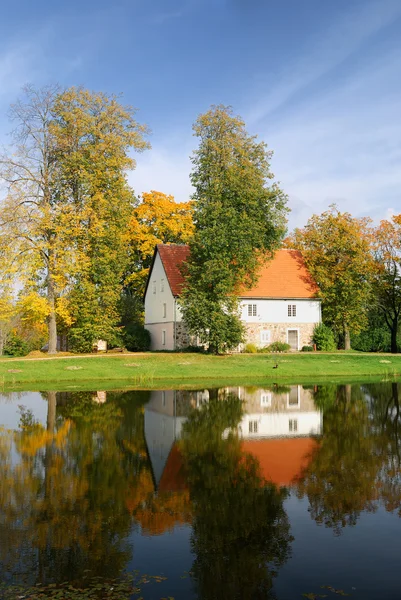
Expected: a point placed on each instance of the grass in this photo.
(173, 370)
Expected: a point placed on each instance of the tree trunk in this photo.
(347, 339)
(51, 411)
(51, 320)
(394, 328)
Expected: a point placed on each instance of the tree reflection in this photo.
(241, 533)
(63, 503)
(340, 481)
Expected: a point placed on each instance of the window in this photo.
(292, 310)
(265, 336)
(164, 398)
(266, 399)
(163, 337)
(162, 285)
(154, 287)
(164, 310)
(293, 425)
(251, 310)
(253, 427)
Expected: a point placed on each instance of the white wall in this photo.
(276, 311)
(278, 424)
(154, 300)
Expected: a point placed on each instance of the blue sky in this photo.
(318, 80)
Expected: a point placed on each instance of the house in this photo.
(282, 306)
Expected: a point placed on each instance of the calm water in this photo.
(236, 493)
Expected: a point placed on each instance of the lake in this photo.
(286, 492)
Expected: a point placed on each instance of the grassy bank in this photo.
(191, 370)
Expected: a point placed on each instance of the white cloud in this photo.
(163, 170)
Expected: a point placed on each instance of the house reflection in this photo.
(279, 427)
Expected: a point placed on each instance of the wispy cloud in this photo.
(323, 53)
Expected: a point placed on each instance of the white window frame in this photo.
(291, 310)
(293, 425)
(298, 404)
(163, 337)
(253, 426)
(266, 399)
(265, 333)
(164, 310)
(252, 310)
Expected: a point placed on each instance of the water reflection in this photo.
(81, 480)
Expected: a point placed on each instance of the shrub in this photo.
(323, 338)
(250, 348)
(307, 349)
(16, 346)
(136, 338)
(81, 339)
(375, 339)
(278, 347)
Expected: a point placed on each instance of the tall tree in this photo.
(96, 134)
(239, 222)
(388, 276)
(65, 176)
(337, 250)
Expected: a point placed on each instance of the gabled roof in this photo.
(285, 276)
(173, 256)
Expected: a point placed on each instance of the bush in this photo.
(136, 338)
(250, 348)
(307, 349)
(81, 339)
(323, 337)
(278, 347)
(16, 346)
(375, 339)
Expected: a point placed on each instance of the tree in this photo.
(337, 250)
(67, 195)
(156, 219)
(239, 222)
(388, 275)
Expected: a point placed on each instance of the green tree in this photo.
(239, 222)
(338, 252)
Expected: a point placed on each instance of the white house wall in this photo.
(159, 308)
(276, 311)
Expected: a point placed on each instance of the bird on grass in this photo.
(275, 366)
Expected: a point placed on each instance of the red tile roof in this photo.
(285, 276)
(172, 257)
(282, 460)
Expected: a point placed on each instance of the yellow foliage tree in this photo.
(156, 219)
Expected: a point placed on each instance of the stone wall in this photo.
(278, 332)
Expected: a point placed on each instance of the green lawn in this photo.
(191, 370)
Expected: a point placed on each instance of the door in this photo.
(293, 338)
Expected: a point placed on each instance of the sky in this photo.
(319, 81)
